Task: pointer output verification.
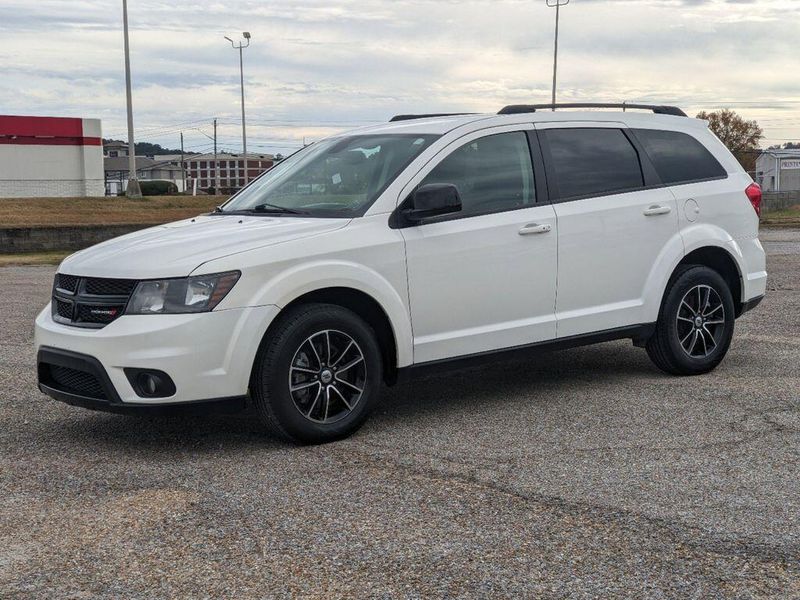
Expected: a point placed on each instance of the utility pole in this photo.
(183, 166)
(240, 47)
(133, 190)
(216, 161)
(213, 138)
(557, 4)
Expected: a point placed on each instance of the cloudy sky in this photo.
(316, 66)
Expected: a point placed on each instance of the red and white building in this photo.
(50, 156)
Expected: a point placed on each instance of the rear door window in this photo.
(592, 162)
(678, 157)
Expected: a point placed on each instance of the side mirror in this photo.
(432, 200)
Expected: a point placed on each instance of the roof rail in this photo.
(412, 117)
(658, 109)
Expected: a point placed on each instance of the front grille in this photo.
(63, 309)
(109, 287)
(68, 283)
(77, 382)
(90, 301)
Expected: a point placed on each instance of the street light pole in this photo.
(557, 4)
(133, 190)
(240, 47)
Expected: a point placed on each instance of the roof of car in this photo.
(439, 125)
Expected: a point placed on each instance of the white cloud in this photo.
(317, 65)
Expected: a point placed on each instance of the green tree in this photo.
(148, 149)
(742, 137)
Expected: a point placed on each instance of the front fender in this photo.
(290, 284)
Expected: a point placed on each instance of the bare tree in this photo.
(742, 137)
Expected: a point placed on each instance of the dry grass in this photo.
(54, 212)
(33, 258)
(782, 218)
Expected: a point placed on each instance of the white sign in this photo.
(790, 164)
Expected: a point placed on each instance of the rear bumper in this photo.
(753, 267)
(101, 395)
(751, 304)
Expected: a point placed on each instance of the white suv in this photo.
(425, 242)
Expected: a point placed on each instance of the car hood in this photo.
(176, 249)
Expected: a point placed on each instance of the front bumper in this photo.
(207, 355)
(103, 397)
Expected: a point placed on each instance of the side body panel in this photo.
(476, 284)
(480, 283)
(607, 249)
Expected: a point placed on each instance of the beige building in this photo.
(201, 170)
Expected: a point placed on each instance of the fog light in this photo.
(149, 383)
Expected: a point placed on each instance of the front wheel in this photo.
(318, 374)
(695, 325)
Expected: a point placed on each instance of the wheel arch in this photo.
(705, 245)
(720, 260)
(366, 307)
(366, 292)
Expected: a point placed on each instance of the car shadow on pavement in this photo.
(541, 379)
(538, 379)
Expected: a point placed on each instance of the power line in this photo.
(157, 128)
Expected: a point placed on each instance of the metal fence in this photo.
(779, 201)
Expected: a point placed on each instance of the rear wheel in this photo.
(695, 325)
(318, 374)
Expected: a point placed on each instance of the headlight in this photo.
(185, 295)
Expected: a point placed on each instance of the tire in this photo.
(300, 393)
(690, 337)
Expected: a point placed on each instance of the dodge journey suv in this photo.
(429, 241)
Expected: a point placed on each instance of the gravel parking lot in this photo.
(583, 473)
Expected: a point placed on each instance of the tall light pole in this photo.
(557, 4)
(133, 190)
(240, 46)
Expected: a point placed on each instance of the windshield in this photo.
(339, 177)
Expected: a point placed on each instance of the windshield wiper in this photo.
(266, 207)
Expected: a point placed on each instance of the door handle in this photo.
(532, 228)
(657, 210)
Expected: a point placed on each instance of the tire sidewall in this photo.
(279, 356)
(686, 281)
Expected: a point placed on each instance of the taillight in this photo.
(753, 192)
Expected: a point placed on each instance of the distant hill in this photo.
(148, 149)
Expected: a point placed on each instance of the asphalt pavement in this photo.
(584, 473)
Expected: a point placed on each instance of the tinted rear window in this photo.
(593, 162)
(678, 157)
